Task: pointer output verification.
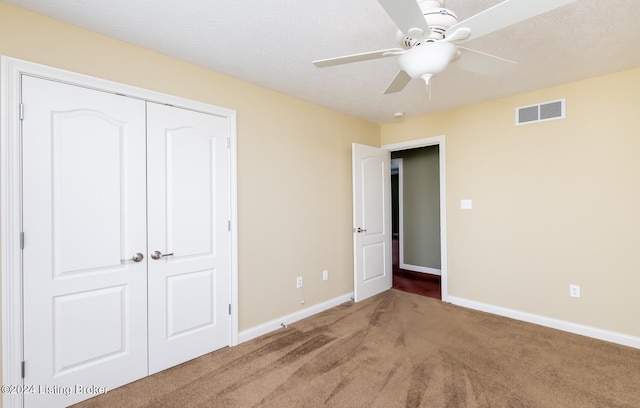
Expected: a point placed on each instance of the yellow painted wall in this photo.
(554, 203)
(294, 161)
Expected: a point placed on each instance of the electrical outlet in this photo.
(325, 275)
(466, 204)
(299, 282)
(574, 291)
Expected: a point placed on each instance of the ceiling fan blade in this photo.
(347, 59)
(406, 14)
(481, 63)
(399, 82)
(505, 14)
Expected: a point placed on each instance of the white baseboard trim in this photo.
(421, 269)
(588, 331)
(275, 324)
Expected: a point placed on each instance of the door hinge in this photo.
(22, 369)
(228, 143)
(21, 110)
(229, 308)
(229, 225)
(22, 240)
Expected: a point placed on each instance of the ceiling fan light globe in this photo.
(429, 58)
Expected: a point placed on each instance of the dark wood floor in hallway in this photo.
(424, 284)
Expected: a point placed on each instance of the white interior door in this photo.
(188, 194)
(372, 221)
(84, 217)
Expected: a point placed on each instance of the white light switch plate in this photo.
(574, 291)
(466, 204)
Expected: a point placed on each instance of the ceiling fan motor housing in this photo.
(439, 20)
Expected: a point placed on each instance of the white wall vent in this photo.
(540, 112)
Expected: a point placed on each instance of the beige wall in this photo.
(294, 161)
(554, 203)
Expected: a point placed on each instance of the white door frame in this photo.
(400, 164)
(11, 70)
(440, 142)
(401, 263)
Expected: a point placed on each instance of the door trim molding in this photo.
(11, 70)
(440, 142)
(400, 163)
(10, 219)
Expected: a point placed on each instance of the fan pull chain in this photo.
(427, 80)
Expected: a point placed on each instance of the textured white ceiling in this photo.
(272, 43)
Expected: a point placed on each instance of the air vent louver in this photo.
(529, 114)
(540, 112)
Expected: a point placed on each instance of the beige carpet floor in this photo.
(398, 350)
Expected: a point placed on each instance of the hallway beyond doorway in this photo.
(424, 284)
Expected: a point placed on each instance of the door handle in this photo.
(359, 230)
(157, 255)
(135, 258)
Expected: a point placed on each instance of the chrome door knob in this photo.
(135, 258)
(157, 255)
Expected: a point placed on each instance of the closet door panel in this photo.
(188, 196)
(84, 218)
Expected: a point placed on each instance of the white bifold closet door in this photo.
(108, 181)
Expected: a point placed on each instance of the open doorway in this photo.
(418, 219)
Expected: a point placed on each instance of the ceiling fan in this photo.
(429, 35)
